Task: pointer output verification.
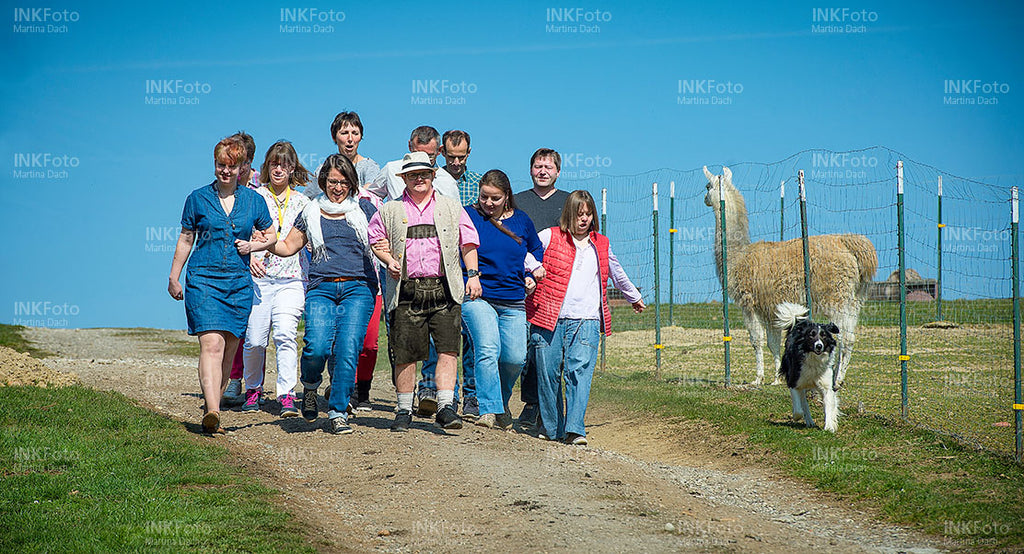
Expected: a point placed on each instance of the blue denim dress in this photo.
(218, 286)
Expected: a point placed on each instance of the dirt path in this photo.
(640, 486)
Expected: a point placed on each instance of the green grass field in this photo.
(89, 471)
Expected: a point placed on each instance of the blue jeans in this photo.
(337, 315)
(498, 336)
(570, 351)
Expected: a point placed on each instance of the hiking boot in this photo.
(340, 426)
(486, 420)
(447, 418)
(470, 408)
(403, 419)
(233, 394)
(428, 403)
(309, 408)
(575, 440)
(528, 417)
(252, 400)
(288, 408)
(503, 421)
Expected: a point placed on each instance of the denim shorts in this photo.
(425, 310)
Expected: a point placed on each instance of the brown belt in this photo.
(341, 279)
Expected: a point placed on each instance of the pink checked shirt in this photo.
(423, 256)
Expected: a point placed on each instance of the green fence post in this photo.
(904, 410)
(938, 278)
(671, 249)
(604, 229)
(803, 237)
(726, 338)
(1018, 404)
(657, 293)
(782, 210)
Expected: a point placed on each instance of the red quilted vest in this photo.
(543, 305)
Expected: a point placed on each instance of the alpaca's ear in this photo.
(708, 174)
(727, 173)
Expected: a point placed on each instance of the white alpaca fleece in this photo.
(763, 275)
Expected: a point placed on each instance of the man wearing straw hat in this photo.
(427, 235)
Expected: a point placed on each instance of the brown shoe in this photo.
(211, 424)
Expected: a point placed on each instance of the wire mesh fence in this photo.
(960, 335)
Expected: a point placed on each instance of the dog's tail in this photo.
(787, 314)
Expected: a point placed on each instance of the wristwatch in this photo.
(472, 273)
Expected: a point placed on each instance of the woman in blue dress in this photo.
(219, 219)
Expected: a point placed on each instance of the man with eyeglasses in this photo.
(455, 149)
(422, 238)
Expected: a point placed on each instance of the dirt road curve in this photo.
(480, 490)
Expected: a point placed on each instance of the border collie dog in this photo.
(808, 362)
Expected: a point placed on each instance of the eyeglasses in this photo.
(421, 176)
(336, 182)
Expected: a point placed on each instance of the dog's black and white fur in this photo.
(808, 362)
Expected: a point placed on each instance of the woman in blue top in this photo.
(496, 322)
(341, 290)
(219, 219)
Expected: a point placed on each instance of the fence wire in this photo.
(960, 377)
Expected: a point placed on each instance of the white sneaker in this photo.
(486, 420)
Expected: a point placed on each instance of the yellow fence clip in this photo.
(727, 339)
(941, 225)
(659, 346)
(1018, 406)
(673, 230)
(904, 358)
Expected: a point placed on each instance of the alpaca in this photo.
(763, 275)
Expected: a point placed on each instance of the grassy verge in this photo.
(913, 477)
(88, 471)
(11, 337)
(85, 470)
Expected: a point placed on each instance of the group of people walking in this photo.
(452, 258)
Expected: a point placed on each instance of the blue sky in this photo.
(93, 222)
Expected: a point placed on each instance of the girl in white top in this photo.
(279, 291)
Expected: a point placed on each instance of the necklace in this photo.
(282, 207)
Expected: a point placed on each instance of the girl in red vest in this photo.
(568, 311)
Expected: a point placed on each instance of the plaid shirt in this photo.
(469, 187)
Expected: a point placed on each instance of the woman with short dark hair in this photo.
(219, 220)
(341, 288)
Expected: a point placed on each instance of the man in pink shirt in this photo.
(427, 235)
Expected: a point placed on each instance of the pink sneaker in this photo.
(288, 408)
(252, 400)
